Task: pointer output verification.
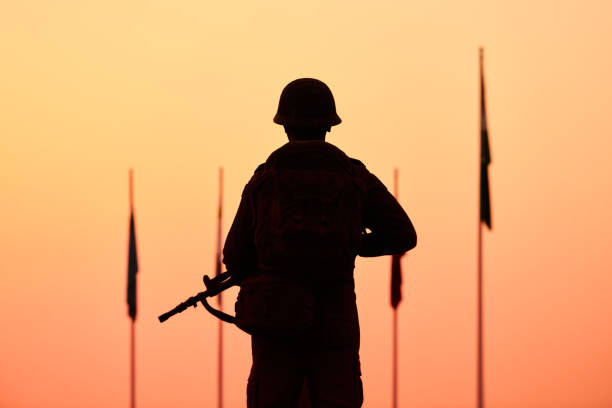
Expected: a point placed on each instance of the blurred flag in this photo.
(132, 262)
(396, 280)
(485, 155)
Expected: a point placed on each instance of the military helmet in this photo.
(307, 102)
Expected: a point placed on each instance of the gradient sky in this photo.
(177, 89)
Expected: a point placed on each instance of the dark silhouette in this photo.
(301, 222)
(396, 298)
(132, 270)
(214, 287)
(484, 217)
(220, 296)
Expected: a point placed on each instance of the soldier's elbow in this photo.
(410, 239)
(413, 241)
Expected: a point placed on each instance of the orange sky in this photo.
(89, 89)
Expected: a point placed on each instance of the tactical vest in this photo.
(308, 223)
(308, 210)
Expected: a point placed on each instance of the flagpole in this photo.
(480, 365)
(133, 320)
(394, 400)
(133, 367)
(220, 299)
(480, 373)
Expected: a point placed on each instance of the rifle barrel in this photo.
(192, 301)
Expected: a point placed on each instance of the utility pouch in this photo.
(268, 305)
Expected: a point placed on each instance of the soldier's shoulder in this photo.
(359, 169)
(258, 173)
(368, 178)
(259, 169)
(256, 178)
(358, 163)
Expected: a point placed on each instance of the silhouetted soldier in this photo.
(301, 222)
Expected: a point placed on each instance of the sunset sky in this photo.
(177, 89)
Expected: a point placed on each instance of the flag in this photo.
(132, 268)
(396, 280)
(485, 154)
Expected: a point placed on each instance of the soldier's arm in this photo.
(392, 231)
(239, 254)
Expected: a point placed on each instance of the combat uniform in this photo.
(326, 355)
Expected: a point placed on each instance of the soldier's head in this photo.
(306, 110)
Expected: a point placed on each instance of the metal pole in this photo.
(480, 365)
(219, 298)
(133, 321)
(394, 399)
(220, 367)
(133, 366)
(394, 404)
(480, 390)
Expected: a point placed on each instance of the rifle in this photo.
(213, 286)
